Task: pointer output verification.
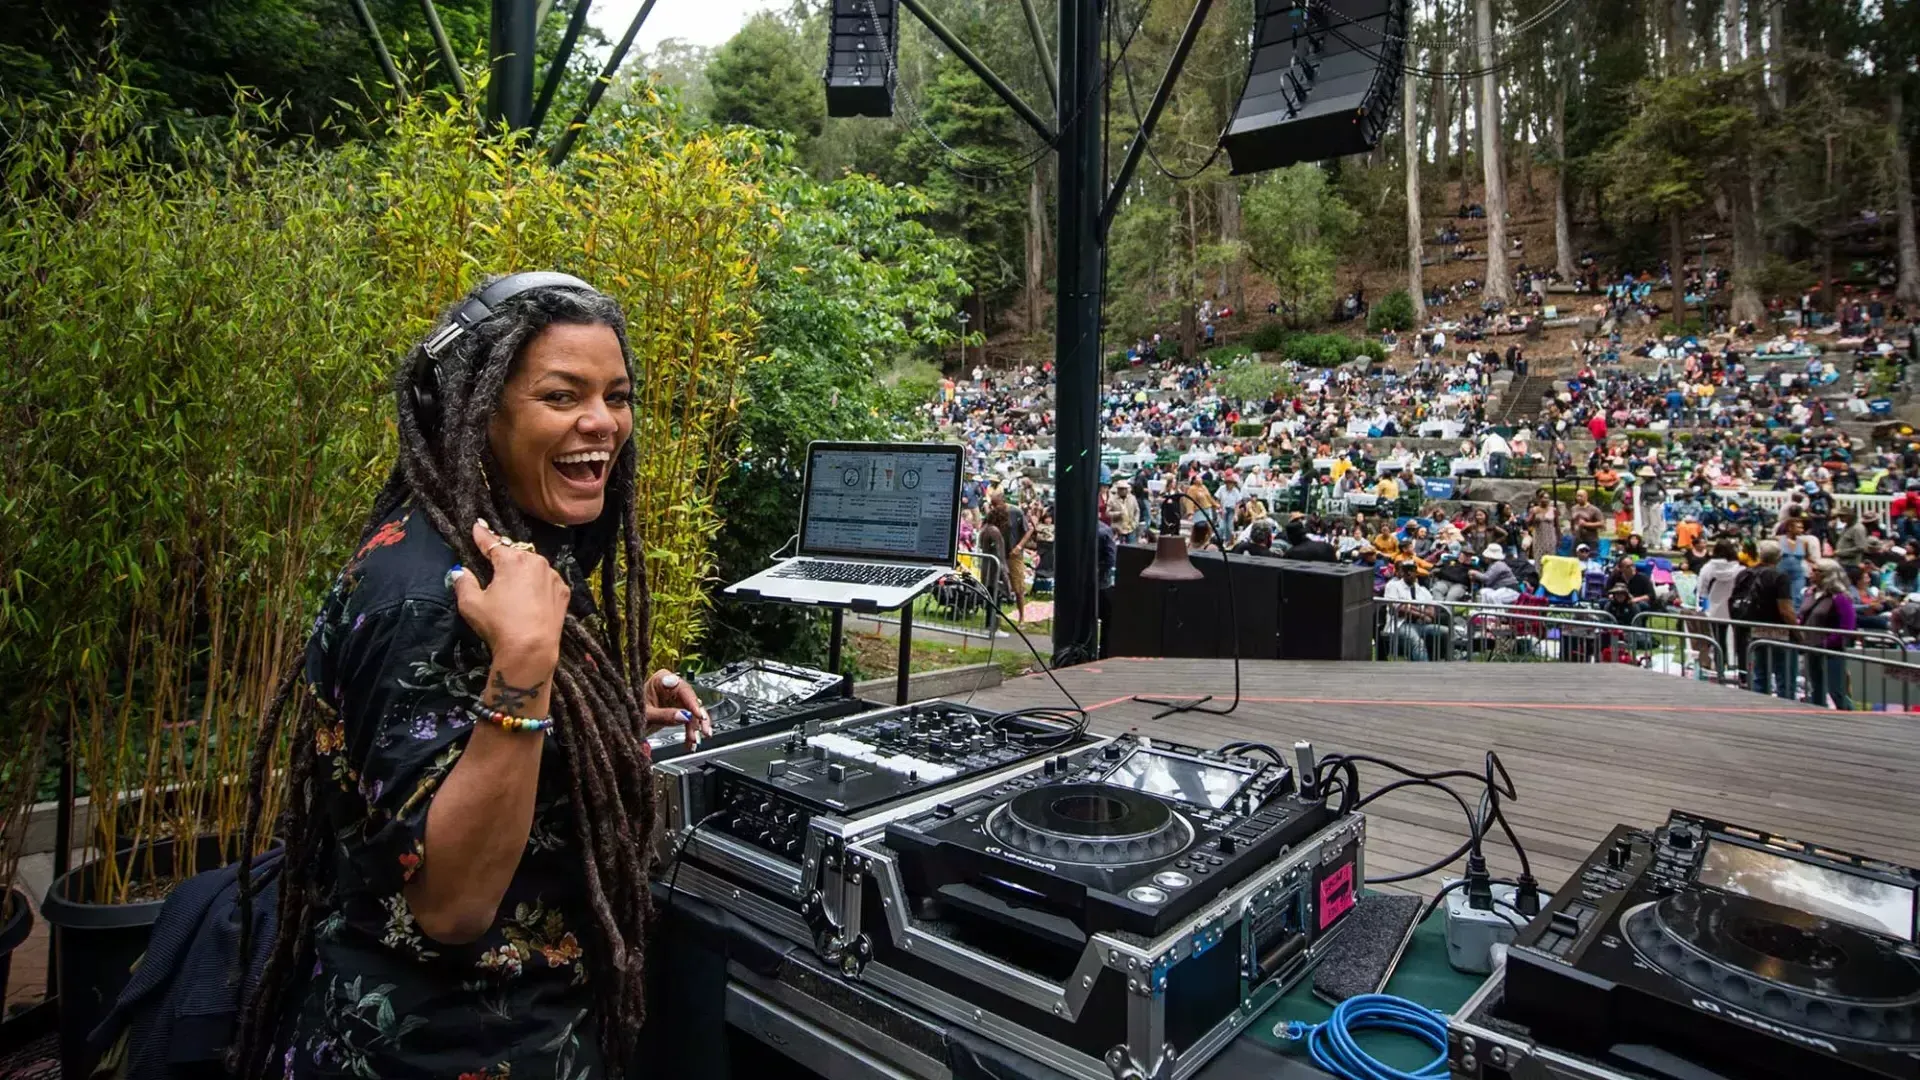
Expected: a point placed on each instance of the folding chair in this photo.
(1560, 577)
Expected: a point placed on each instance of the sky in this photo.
(701, 22)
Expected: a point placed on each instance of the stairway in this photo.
(1522, 399)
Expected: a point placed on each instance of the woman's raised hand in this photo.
(521, 613)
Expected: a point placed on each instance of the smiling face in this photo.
(565, 413)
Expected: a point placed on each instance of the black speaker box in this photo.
(1326, 611)
(860, 59)
(1282, 609)
(1323, 81)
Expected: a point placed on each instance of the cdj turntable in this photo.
(1704, 949)
(758, 697)
(773, 816)
(1120, 910)
(1128, 837)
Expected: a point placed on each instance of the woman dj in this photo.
(465, 887)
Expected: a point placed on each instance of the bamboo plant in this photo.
(195, 413)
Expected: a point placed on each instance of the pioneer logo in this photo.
(1019, 858)
(1764, 1025)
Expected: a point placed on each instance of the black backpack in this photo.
(1744, 604)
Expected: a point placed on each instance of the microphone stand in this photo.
(1170, 706)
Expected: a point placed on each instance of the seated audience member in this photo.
(1498, 583)
(1259, 541)
(1302, 548)
(1452, 578)
(1418, 629)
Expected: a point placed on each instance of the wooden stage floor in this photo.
(1587, 747)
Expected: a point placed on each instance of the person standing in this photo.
(1774, 666)
(470, 801)
(1715, 588)
(1828, 606)
(1798, 551)
(1543, 520)
(1852, 545)
(1586, 520)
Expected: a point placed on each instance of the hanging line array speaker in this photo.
(1323, 81)
(860, 58)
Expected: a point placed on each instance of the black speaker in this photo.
(1193, 618)
(1326, 611)
(860, 58)
(1323, 81)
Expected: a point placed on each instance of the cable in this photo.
(1332, 1047)
(1044, 666)
(673, 864)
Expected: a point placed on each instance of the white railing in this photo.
(1870, 507)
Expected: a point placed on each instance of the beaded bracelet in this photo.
(543, 725)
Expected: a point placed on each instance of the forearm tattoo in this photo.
(508, 698)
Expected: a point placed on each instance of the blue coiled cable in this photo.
(1332, 1047)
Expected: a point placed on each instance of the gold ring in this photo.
(488, 550)
(522, 545)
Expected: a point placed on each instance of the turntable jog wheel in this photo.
(721, 708)
(1090, 824)
(1795, 968)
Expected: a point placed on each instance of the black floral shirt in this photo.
(394, 668)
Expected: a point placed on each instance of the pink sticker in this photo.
(1336, 895)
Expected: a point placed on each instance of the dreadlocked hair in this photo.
(446, 471)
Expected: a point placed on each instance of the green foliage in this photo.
(1329, 350)
(982, 198)
(305, 55)
(765, 77)
(1268, 337)
(1393, 311)
(1686, 137)
(1295, 226)
(1249, 381)
(1778, 276)
(190, 439)
(853, 284)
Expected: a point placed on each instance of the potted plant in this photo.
(19, 791)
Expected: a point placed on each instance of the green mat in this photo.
(1423, 975)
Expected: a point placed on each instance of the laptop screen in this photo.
(886, 501)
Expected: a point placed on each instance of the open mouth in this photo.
(586, 467)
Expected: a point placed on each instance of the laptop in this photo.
(879, 524)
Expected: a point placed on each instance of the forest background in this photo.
(1771, 137)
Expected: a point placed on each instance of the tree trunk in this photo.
(1442, 130)
(1827, 227)
(1730, 30)
(1036, 253)
(1189, 328)
(1499, 283)
(1410, 129)
(1562, 218)
(1677, 36)
(1907, 292)
(1676, 262)
(1748, 254)
(1466, 108)
(1232, 268)
(1777, 55)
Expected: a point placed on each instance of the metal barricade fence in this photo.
(1437, 629)
(1542, 637)
(1700, 622)
(960, 607)
(1845, 679)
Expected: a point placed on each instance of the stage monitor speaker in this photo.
(1326, 611)
(1323, 81)
(860, 58)
(1194, 618)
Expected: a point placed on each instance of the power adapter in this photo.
(1472, 933)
